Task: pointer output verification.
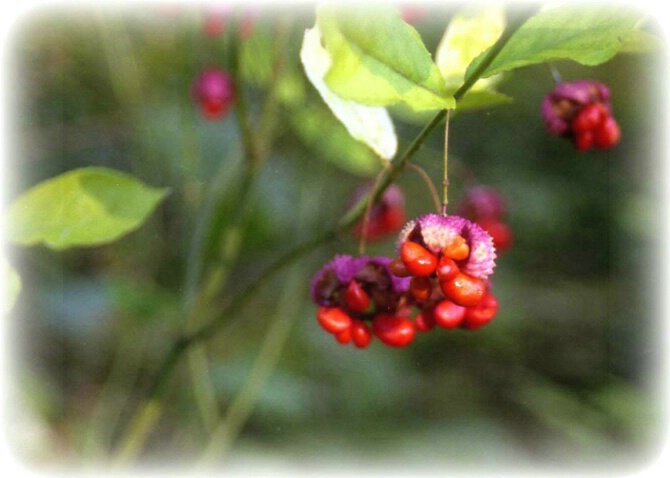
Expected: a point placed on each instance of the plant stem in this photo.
(555, 74)
(270, 351)
(445, 175)
(251, 153)
(431, 187)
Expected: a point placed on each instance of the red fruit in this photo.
(392, 330)
(448, 315)
(481, 314)
(589, 117)
(398, 269)
(500, 232)
(214, 92)
(360, 334)
(447, 269)
(333, 319)
(584, 140)
(607, 134)
(344, 337)
(424, 321)
(457, 250)
(418, 260)
(247, 24)
(421, 288)
(393, 219)
(356, 298)
(214, 109)
(464, 290)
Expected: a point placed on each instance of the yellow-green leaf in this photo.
(379, 60)
(589, 35)
(83, 207)
(468, 34)
(371, 125)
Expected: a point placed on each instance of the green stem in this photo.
(429, 184)
(445, 175)
(251, 152)
(210, 329)
(257, 147)
(270, 351)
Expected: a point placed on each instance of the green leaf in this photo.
(638, 41)
(83, 207)
(371, 125)
(320, 131)
(379, 60)
(468, 34)
(481, 98)
(589, 35)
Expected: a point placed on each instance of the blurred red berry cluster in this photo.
(581, 110)
(485, 206)
(214, 93)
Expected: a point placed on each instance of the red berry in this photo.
(392, 330)
(424, 320)
(446, 269)
(607, 134)
(247, 24)
(213, 109)
(356, 298)
(589, 117)
(464, 290)
(457, 250)
(398, 269)
(333, 319)
(344, 337)
(385, 217)
(360, 334)
(418, 260)
(421, 288)
(393, 219)
(583, 140)
(500, 232)
(481, 314)
(214, 92)
(214, 25)
(448, 315)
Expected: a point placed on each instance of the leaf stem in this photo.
(555, 74)
(431, 187)
(445, 162)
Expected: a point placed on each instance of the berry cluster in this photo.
(386, 216)
(581, 111)
(440, 278)
(214, 93)
(486, 207)
(448, 260)
(358, 296)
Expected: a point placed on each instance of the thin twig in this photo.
(431, 187)
(366, 217)
(445, 175)
(555, 74)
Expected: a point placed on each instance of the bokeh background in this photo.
(568, 376)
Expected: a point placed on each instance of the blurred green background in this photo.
(567, 375)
